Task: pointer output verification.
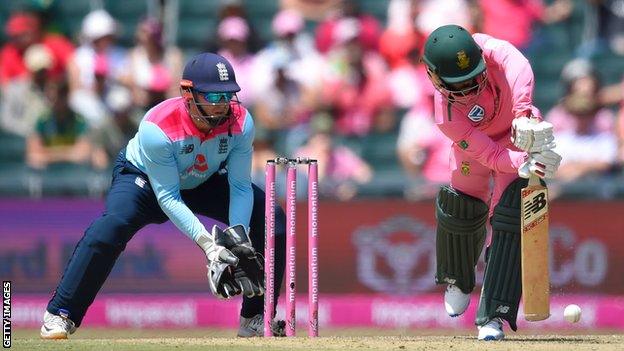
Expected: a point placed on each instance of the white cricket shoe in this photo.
(492, 330)
(56, 327)
(254, 326)
(455, 301)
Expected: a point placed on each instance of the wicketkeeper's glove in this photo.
(233, 265)
(249, 272)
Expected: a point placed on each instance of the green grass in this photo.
(351, 339)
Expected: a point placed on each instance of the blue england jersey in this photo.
(175, 155)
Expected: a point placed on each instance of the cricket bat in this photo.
(534, 247)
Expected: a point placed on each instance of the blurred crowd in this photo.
(330, 76)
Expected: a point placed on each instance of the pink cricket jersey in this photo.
(482, 129)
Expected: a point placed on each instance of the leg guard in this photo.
(502, 285)
(459, 238)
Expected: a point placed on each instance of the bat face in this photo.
(534, 231)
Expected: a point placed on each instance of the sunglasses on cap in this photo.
(217, 97)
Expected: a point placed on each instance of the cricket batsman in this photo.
(484, 105)
(192, 154)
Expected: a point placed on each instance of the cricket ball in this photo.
(572, 313)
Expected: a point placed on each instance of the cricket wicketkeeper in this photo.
(483, 104)
(192, 154)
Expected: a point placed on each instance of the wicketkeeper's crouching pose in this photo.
(483, 104)
(192, 154)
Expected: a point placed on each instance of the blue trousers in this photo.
(129, 208)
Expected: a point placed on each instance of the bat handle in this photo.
(534, 180)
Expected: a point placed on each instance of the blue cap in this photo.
(211, 73)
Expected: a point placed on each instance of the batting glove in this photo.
(529, 136)
(543, 164)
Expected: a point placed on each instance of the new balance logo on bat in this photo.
(534, 205)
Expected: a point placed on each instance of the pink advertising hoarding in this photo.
(423, 311)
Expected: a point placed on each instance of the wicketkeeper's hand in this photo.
(249, 272)
(532, 136)
(233, 265)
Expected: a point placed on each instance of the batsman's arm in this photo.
(518, 73)
(479, 146)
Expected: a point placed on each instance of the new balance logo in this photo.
(450, 280)
(533, 206)
(223, 72)
(502, 309)
(187, 149)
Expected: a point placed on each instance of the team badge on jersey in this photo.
(476, 113)
(465, 168)
(223, 145)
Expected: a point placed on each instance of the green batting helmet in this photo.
(453, 55)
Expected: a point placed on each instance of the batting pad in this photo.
(460, 237)
(502, 285)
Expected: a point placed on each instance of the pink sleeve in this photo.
(517, 71)
(477, 144)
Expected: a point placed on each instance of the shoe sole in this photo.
(491, 338)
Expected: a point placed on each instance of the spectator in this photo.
(236, 8)
(282, 108)
(603, 29)
(95, 65)
(263, 151)
(233, 35)
(401, 46)
(435, 13)
(23, 29)
(369, 27)
(118, 130)
(585, 131)
(400, 37)
(340, 170)
(356, 88)
(23, 100)
(60, 135)
(423, 151)
(513, 20)
(287, 76)
(293, 46)
(154, 69)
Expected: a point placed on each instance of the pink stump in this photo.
(269, 247)
(313, 267)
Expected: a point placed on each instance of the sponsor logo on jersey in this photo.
(200, 163)
(476, 113)
(198, 169)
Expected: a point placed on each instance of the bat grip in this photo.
(534, 180)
